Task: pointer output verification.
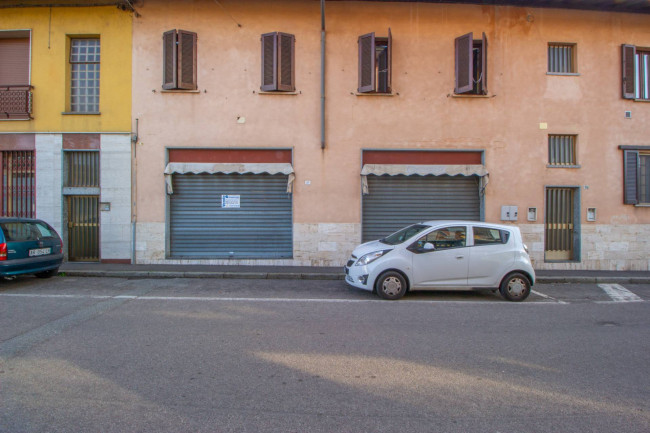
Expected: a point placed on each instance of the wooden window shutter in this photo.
(628, 53)
(14, 68)
(367, 63)
(269, 62)
(186, 60)
(630, 175)
(464, 63)
(286, 57)
(169, 59)
(390, 60)
(484, 66)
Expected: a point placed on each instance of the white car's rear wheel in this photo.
(515, 287)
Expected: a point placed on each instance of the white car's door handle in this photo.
(460, 257)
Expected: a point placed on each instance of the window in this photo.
(448, 237)
(15, 91)
(81, 169)
(562, 150)
(375, 63)
(179, 60)
(471, 65)
(637, 175)
(488, 236)
(562, 58)
(278, 56)
(84, 82)
(636, 72)
(18, 191)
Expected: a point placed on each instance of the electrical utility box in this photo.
(509, 213)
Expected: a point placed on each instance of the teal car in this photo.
(29, 246)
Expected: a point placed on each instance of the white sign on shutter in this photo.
(230, 201)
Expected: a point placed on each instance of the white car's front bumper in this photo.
(357, 276)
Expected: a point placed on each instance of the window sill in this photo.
(471, 96)
(642, 205)
(562, 166)
(81, 113)
(177, 91)
(278, 92)
(566, 74)
(641, 100)
(374, 94)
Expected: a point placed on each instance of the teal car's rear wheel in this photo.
(47, 274)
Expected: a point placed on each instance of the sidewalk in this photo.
(310, 273)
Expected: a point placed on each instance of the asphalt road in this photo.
(218, 355)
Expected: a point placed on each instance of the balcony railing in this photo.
(16, 101)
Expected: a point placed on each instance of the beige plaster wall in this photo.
(422, 114)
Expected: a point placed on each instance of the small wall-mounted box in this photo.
(591, 214)
(509, 213)
(105, 206)
(532, 214)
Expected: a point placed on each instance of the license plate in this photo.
(39, 252)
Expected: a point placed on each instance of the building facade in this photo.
(248, 153)
(65, 123)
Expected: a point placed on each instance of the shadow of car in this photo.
(29, 246)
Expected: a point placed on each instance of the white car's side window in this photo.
(448, 237)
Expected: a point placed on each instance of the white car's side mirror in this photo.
(428, 247)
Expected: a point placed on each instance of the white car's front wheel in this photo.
(391, 285)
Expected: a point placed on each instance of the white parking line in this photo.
(550, 298)
(619, 293)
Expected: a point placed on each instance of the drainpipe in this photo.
(322, 74)
(134, 180)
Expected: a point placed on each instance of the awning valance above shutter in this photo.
(227, 168)
(423, 170)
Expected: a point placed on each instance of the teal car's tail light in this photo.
(3, 251)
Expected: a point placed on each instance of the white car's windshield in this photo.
(404, 234)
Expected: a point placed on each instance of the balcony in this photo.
(16, 102)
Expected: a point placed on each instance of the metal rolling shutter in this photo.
(397, 201)
(261, 228)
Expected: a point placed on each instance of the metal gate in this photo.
(83, 228)
(397, 201)
(559, 225)
(18, 183)
(230, 216)
(81, 189)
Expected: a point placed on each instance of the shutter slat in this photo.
(269, 62)
(186, 55)
(286, 68)
(169, 59)
(631, 175)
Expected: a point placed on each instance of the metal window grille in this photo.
(18, 198)
(642, 66)
(562, 150)
(82, 169)
(561, 58)
(644, 179)
(84, 82)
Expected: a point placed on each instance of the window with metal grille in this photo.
(84, 79)
(562, 150)
(82, 169)
(562, 58)
(18, 198)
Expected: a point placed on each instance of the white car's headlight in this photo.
(371, 257)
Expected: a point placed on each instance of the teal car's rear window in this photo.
(25, 231)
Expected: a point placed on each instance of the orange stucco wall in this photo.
(422, 114)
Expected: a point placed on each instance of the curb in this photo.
(321, 276)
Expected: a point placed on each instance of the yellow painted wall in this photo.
(51, 30)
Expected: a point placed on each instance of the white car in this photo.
(448, 255)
